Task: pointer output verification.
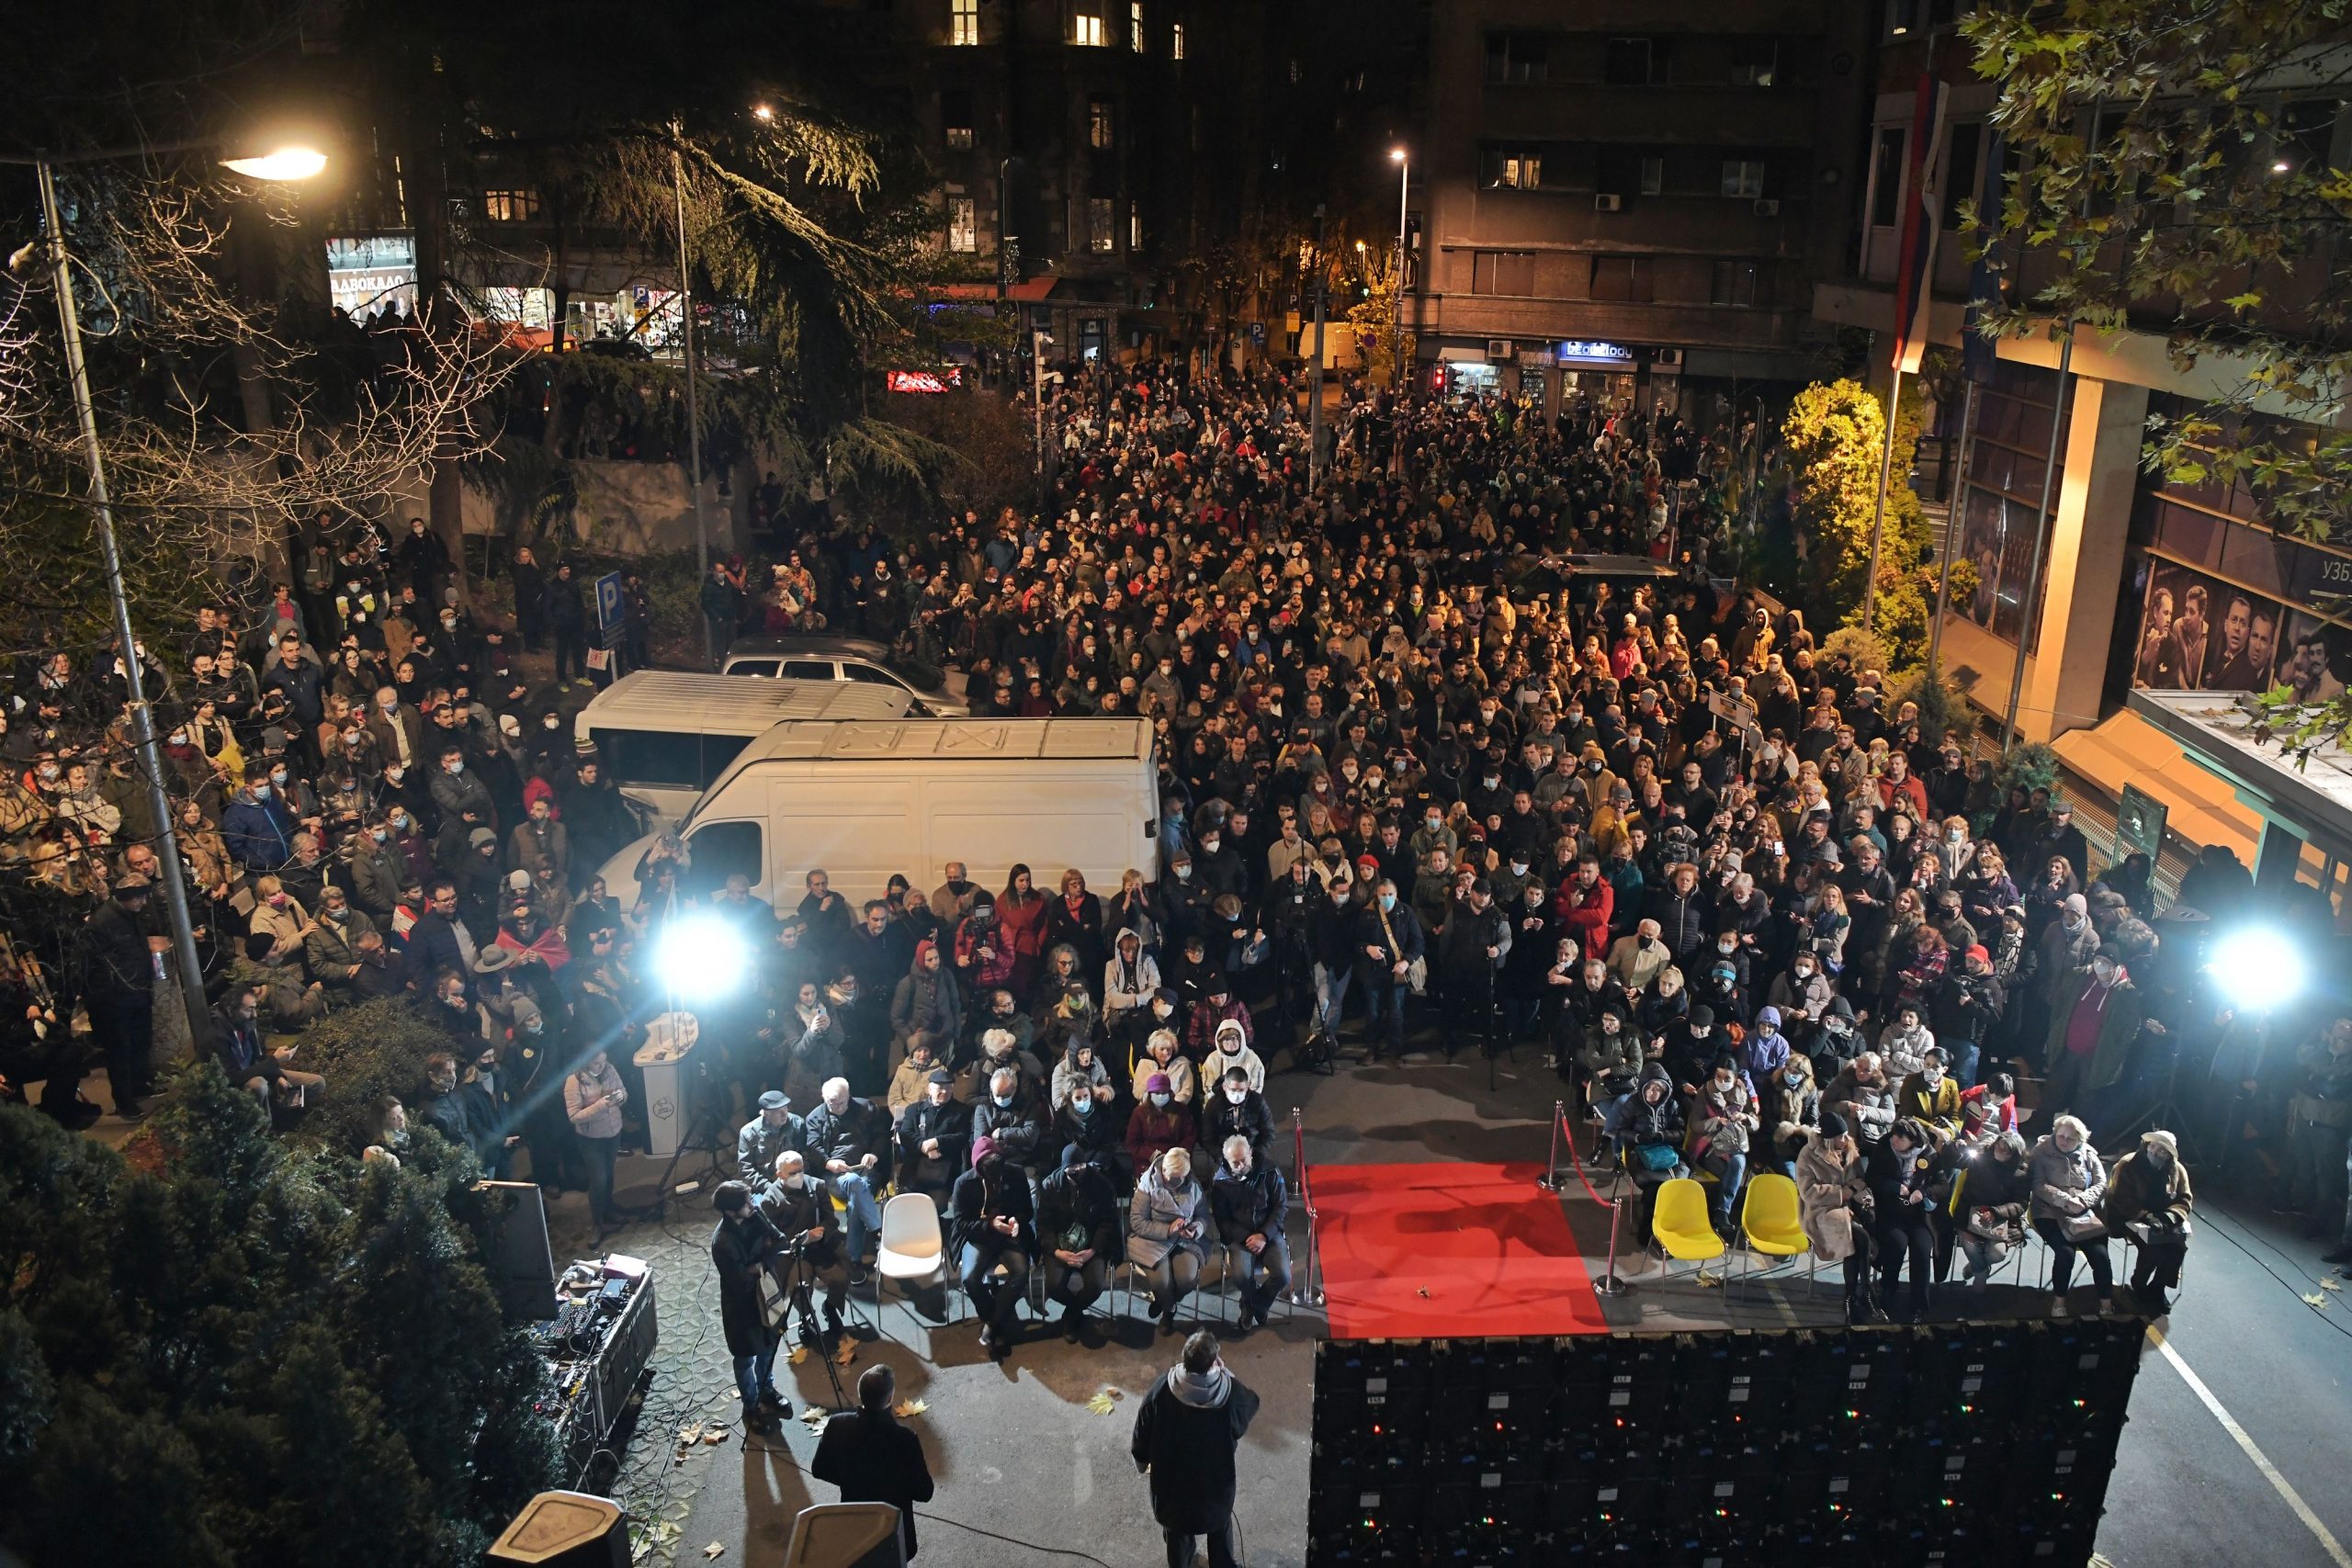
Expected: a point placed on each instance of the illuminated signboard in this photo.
(1575, 352)
(924, 381)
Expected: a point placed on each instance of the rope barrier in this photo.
(1609, 1284)
(1307, 1289)
(1578, 1159)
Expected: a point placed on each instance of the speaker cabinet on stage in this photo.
(521, 1264)
(564, 1529)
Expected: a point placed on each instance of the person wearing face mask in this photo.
(1162, 1119)
(464, 802)
(1644, 1133)
(994, 1210)
(1230, 1050)
(1637, 957)
(1079, 1222)
(934, 1139)
(1899, 1169)
(1251, 1205)
(2069, 1184)
(1016, 1114)
(1790, 1103)
(331, 945)
(2148, 1200)
(1801, 995)
(1233, 1104)
(1085, 1128)
(2091, 1037)
(1864, 1096)
(802, 1212)
(259, 827)
(2061, 951)
(1728, 1118)
(1930, 1097)
(1837, 1207)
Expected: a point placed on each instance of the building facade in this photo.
(1631, 197)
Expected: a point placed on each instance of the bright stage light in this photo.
(2257, 967)
(700, 957)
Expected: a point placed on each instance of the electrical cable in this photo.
(1009, 1540)
(2320, 1313)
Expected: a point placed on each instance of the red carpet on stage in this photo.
(1448, 1251)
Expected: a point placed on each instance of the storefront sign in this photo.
(923, 381)
(1588, 352)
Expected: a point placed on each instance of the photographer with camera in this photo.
(745, 1243)
(802, 1212)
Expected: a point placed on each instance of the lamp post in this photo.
(686, 328)
(283, 165)
(1397, 304)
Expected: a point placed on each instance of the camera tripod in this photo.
(706, 1136)
(796, 1281)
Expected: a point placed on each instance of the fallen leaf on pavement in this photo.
(1102, 1404)
(814, 1416)
(714, 1550)
(2316, 1299)
(799, 1354)
(848, 1351)
(2331, 1284)
(907, 1407)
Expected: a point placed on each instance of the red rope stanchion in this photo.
(1609, 1284)
(1306, 1286)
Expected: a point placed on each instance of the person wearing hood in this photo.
(934, 1139)
(1905, 1042)
(1763, 1052)
(1080, 1067)
(910, 1081)
(2068, 1184)
(1079, 1224)
(1251, 1204)
(1835, 1207)
(1204, 1026)
(1231, 1051)
(2148, 1199)
(991, 1211)
(1130, 981)
(1168, 1229)
(1644, 1130)
(1187, 1429)
(927, 1005)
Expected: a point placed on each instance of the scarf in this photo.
(1202, 1391)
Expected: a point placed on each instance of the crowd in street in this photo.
(1424, 785)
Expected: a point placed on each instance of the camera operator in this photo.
(802, 1212)
(1291, 904)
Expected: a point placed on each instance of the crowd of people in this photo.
(1416, 771)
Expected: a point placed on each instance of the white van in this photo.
(664, 735)
(863, 800)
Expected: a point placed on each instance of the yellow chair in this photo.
(1679, 1225)
(1768, 1218)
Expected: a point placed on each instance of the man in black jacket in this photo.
(991, 1212)
(121, 992)
(849, 1140)
(1388, 942)
(249, 1064)
(1251, 1204)
(1080, 1226)
(1475, 941)
(1187, 1429)
(740, 1248)
(1230, 1108)
(872, 1459)
(934, 1139)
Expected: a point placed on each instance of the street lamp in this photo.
(282, 165)
(1396, 305)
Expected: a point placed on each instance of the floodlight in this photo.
(1395, 154)
(2257, 968)
(281, 165)
(701, 957)
(763, 114)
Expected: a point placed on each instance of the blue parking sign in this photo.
(609, 608)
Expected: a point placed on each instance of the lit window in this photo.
(1744, 176)
(1136, 35)
(1513, 171)
(963, 229)
(1101, 225)
(1176, 42)
(1135, 226)
(959, 136)
(1101, 124)
(963, 21)
(510, 206)
(1086, 29)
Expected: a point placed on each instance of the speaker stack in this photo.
(1988, 1444)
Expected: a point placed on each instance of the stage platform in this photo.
(1462, 1249)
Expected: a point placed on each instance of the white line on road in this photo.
(2279, 1483)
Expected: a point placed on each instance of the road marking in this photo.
(2279, 1483)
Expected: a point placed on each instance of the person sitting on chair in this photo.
(802, 1212)
(1645, 1129)
(1168, 1231)
(934, 1140)
(1078, 1229)
(764, 1136)
(1834, 1204)
(992, 1216)
(1251, 1204)
(1990, 1205)
(2148, 1199)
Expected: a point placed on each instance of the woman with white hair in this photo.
(1168, 1231)
(2069, 1184)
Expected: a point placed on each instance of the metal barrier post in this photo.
(1307, 1285)
(1550, 1180)
(1609, 1284)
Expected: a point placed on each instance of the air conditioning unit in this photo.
(1497, 350)
(1608, 203)
(1768, 207)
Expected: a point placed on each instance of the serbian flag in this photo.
(1921, 214)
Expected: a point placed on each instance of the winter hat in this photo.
(1769, 1015)
(1158, 1084)
(982, 1146)
(941, 1076)
(479, 837)
(1702, 1018)
(2077, 904)
(1978, 951)
(2158, 1135)
(1832, 1124)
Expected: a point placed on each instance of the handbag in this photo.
(1657, 1156)
(2085, 1226)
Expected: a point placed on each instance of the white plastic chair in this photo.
(911, 1249)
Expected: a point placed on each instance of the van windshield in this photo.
(662, 758)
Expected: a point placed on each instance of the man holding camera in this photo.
(802, 1212)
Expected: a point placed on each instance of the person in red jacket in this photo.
(1584, 905)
